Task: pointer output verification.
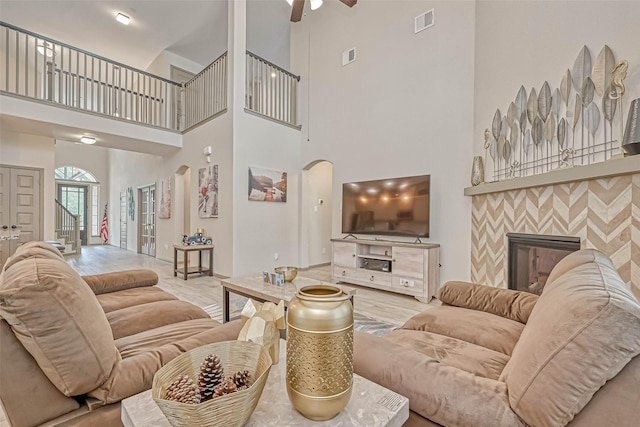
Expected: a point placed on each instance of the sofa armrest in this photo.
(120, 280)
(443, 394)
(507, 303)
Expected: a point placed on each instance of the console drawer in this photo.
(371, 276)
(340, 273)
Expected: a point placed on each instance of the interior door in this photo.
(20, 204)
(123, 220)
(74, 198)
(147, 227)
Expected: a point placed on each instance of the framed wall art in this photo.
(266, 185)
(208, 192)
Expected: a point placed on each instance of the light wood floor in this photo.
(204, 290)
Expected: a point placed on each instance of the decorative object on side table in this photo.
(197, 239)
(289, 273)
(228, 409)
(477, 171)
(631, 141)
(261, 325)
(320, 351)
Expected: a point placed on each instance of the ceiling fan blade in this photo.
(296, 10)
(349, 3)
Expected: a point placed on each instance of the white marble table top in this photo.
(371, 405)
(254, 285)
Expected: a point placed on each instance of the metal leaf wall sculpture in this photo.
(497, 124)
(581, 68)
(602, 69)
(511, 113)
(544, 101)
(587, 92)
(562, 132)
(565, 87)
(532, 106)
(553, 113)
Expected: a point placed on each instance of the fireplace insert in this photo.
(533, 256)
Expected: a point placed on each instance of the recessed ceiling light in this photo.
(88, 140)
(122, 18)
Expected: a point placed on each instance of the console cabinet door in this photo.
(344, 254)
(408, 262)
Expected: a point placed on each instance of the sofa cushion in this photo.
(121, 280)
(144, 353)
(33, 249)
(58, 320)
(507, 303)
(497, 333)
(449, 351)
(441, 393)
(139, 318)
(131, 297)
(584, 329)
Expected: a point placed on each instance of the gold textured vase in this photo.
(320, 351)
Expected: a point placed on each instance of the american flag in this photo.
(104, 228)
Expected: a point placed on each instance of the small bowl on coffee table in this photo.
(289, 273)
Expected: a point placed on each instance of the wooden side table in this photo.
(186, 270)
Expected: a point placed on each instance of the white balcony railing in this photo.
(40, 68)
(44, 69)
(270, 91)
(205, 95)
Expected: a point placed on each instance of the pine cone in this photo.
(225, 387)
(241, 379)
(183, 390)
(211, 375)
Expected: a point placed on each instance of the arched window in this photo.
(72, 173)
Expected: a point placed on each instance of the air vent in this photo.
(424, 21)
(348, 56)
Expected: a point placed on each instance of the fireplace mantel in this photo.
(613, 167)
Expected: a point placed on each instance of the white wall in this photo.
(268, 30)
(161, 66)
(217, 134)
(25, 150)
(319, 187)
(404, 107)
(538, 41)
(128, 169)
(92, 159)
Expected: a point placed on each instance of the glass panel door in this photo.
(74, 198)
(123, 219)
(148, 221)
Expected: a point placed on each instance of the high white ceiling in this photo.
(185, 27)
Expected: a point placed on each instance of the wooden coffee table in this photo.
(252, 286)
(371, 405)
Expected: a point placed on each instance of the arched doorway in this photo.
(316, 213)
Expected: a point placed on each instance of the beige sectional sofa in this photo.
(71, 347)
(494, 357)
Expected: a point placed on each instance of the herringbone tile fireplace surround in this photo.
(604, 213)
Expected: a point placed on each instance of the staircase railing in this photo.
(270, 91)
(205, 95)
(41, 68)
(68, 227)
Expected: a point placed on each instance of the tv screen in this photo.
(396, 206)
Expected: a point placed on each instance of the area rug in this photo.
(361, 322)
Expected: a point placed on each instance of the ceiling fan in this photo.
(298, 6)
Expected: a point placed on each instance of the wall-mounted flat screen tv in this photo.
(395, 206)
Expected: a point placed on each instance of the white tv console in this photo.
(413, 268)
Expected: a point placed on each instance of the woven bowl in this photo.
(233, 409)
(289, 273)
